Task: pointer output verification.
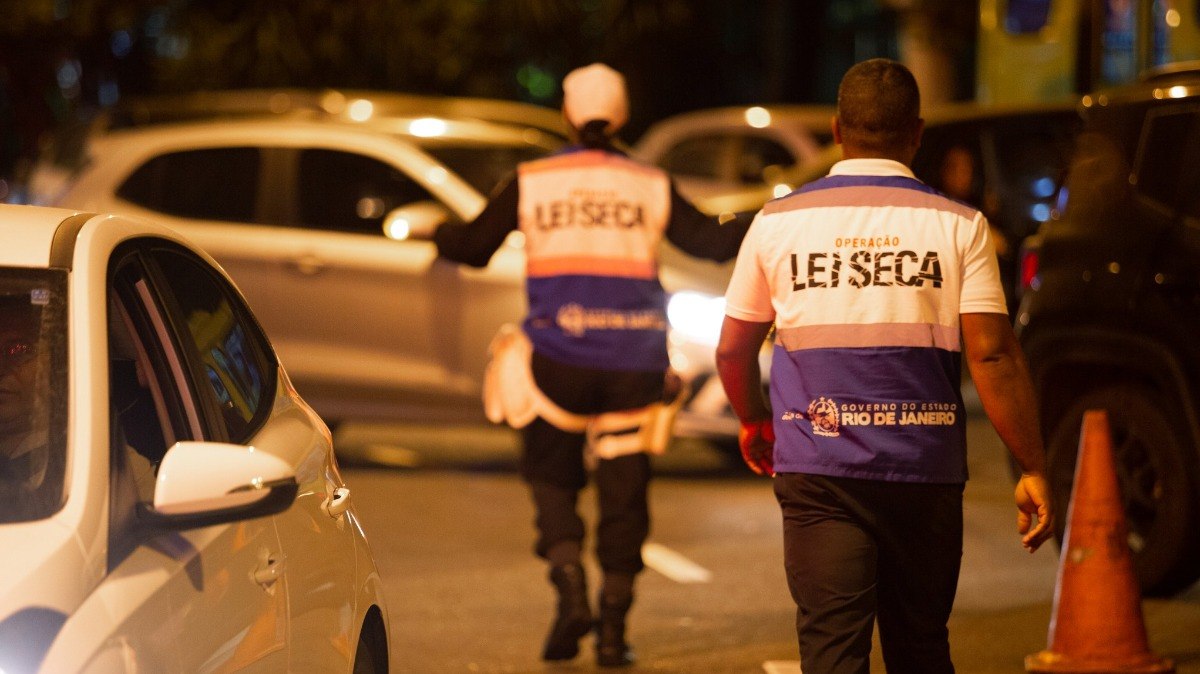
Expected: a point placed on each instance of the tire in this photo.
(1156, 472)
(371, 656)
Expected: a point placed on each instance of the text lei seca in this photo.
(867, 267)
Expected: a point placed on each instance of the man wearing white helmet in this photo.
(592, 219)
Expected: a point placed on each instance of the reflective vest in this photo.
(592, 222)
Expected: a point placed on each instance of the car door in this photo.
(316, 566)
(382, 319)
(318, 539)
(227, 604)
(366, 324)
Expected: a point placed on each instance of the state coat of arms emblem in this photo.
(823, 413)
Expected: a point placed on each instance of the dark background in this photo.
(62, 59)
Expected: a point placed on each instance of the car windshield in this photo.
(483, 166)
(33, 393)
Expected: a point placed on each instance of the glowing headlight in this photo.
(398, 228)
(697, 316)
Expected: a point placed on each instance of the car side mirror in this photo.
(417, 221)
(204, 483)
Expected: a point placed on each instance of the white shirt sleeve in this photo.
(982, 292)
(748, 296)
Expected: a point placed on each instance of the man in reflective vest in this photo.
(593, 219)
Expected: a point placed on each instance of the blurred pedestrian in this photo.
(592, 220)
(875, 283)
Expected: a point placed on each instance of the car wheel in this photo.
(371, 656)
(1156, 473)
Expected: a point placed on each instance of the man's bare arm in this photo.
(1001, 377)
(737, 363)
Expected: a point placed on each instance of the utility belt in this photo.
(511, 396)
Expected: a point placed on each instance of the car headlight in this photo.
(696, 316)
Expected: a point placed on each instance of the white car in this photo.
(317, 223)
(714, 151)
(480, 139)
(168, 503)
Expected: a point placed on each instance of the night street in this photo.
(266, 267)
(451, 529)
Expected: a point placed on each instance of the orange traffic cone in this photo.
(1097, 623)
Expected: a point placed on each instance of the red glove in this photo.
(757, 442)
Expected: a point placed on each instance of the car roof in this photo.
(327, 105)
(43, 237)
(810, 122)
(256, 126)
(27, 233)
(814, 117)
(944, 114)
(1171, 81)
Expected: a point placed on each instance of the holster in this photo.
(511, 396)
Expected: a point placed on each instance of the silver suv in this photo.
(316, 221)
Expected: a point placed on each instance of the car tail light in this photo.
(1029, 270)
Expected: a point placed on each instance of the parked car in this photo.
(318, 224)
(713, 151)
(169, 502)
(480, 139)
(1109, 314)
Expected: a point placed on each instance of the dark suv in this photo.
(1110, 314)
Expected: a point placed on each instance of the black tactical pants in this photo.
(553, 464)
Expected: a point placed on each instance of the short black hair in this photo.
(879, 105)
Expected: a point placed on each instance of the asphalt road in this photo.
(451, 527)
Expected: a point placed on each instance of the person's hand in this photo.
(757, 442)
(1033, 501)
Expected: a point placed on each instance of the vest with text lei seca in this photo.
(868, 277)
(592, 222)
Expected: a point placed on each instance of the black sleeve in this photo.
(701, 235)
(474, 243)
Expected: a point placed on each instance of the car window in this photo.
(1032, 155)
(762, 156)
(162, 319)
(950, 159)
(152, 404)
(146, 395)
(234, 358)
(347, 192)
(1164, 168)
(701, 156)
(209, 184)
(33, 393)
(483, 166)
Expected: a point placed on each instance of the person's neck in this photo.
(849, 152)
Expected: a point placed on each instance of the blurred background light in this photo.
(758, 117)
(360, 110)
(540, 84)
(697, 316)
(427, 127)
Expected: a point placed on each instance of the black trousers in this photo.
(855, 550)
(552, 462)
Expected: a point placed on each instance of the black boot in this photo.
(611, 649)
(574, 617)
